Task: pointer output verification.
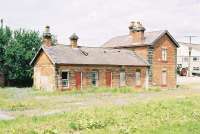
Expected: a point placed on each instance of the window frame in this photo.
(164, 54)
(96, 78)
(68, 79)
(164, 71)
(196, 59)
(138, 81)
(122, 83)
(196, 69)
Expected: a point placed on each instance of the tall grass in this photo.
(176, 116)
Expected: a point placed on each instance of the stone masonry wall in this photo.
(87, 69)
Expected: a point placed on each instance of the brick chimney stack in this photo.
(137, 31)
(73, 40)
(47, 39)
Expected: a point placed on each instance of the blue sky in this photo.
(96, 21)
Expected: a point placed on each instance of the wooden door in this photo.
(78, 77)
(109, 79)
(164, 78)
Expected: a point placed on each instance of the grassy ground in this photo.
(100, 111)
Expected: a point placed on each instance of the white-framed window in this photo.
(65, 79)
(94, 78)
(138, 77)
(195, 58)
(164, 77)
(196, 68)
(164, 54)
(122, 76)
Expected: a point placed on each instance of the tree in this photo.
(5, 38)
(18, 55)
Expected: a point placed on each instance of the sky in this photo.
(96, 21)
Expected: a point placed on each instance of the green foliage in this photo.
(17, 49)
(5, 37)
(19, 53)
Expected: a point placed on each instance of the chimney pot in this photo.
(137, 31)
(47, 40)
(73, 40)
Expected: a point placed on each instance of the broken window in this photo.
(94, 78)
(65, 79)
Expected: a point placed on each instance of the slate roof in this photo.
(127, 40)
(61, 54)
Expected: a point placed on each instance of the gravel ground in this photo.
(5, 116)
(187, 80)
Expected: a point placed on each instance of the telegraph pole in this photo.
(190, 51)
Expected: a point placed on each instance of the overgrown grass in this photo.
(89, 90)
(20, 99)
(176, 116)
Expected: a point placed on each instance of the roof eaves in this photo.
(38, 53)
(35, 57)
(163, 33)
(147, 64)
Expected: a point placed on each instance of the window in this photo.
(138, 77)
(196, 68)
(164, 77)
(164, 54)
(94, 78)
(195, 58)
(65, 79)
(122, 78)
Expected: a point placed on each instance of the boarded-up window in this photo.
(164, 77)
(65, 79)
(138, 77)
(122, 78)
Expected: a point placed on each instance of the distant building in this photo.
(183, 57)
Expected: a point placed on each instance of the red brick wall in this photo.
(130, 75)
(169, 65)
(140, 51)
